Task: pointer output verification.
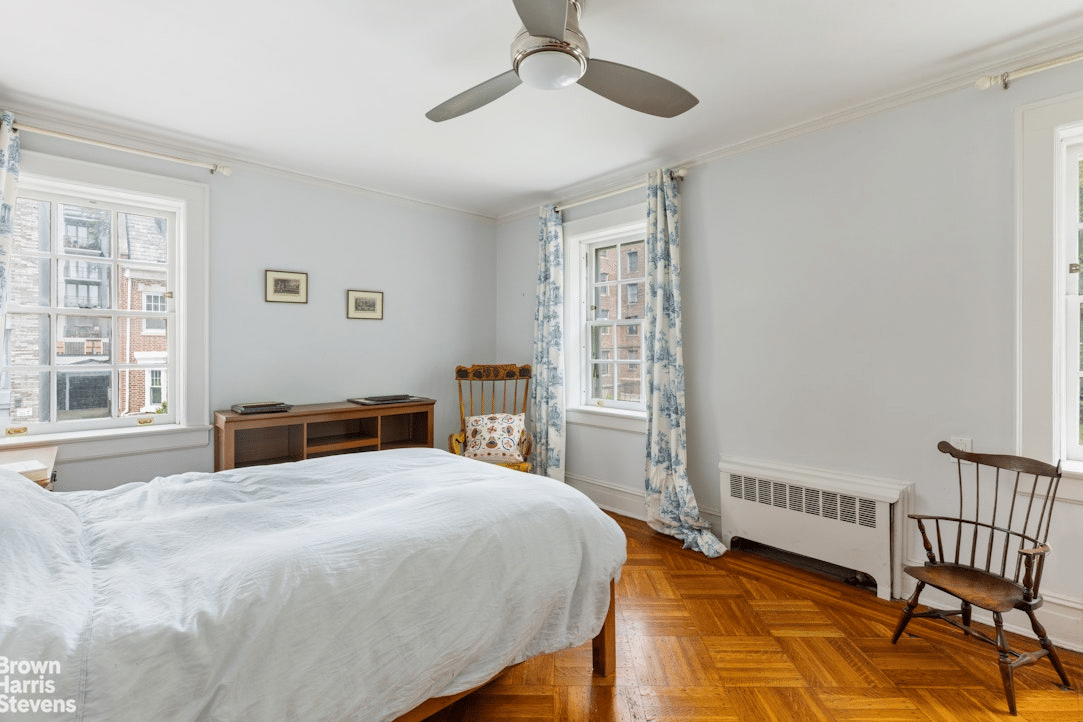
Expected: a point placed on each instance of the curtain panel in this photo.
(671, 503)
(547, 386)
(9, 179)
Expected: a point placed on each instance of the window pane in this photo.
(29, 281)
(82, 395)
(628, 385)
(141, 289)
(601, 381)
(142, 391)
(1080, 206)
(632, 300)
(31, 226)
(142, 340)
(84, 284)
(29, 340)
(605, 263)
(85, 231)
(84, 340)
(142, 238)
(628, 343)
(29, 398)
(601, 342)
(605, 302)
(633, 259)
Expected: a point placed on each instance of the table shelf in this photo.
(312, 430)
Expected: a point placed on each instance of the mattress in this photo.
(350, 587)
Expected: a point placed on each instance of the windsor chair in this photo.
(992, 554)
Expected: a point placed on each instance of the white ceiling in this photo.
(338, 89)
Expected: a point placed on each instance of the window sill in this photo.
(1071, 483)
(109, 443)
(605, 418)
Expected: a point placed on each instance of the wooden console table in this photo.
(314, 430)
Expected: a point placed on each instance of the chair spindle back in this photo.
(1005, 507)
(492, 389)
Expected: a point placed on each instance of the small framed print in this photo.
(286, 287)
(365, 304)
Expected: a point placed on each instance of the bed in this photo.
(352, 587)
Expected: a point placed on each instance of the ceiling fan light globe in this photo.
(550, 69)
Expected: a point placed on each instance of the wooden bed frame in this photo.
(604, 652)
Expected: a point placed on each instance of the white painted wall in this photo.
(429, 263)
(849, 300)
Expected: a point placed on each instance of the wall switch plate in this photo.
(963, 444)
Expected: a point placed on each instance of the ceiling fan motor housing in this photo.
(552, 63)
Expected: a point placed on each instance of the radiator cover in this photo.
(850, 521)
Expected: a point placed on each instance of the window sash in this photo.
(85, 277)
(611, 363)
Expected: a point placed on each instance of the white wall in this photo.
(849, 300)
(429, 263)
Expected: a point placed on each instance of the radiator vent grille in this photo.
(828, 504)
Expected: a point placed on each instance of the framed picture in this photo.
(286, 287)
(365, 304)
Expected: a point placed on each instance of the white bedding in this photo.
(346, 588)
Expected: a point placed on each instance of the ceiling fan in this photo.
(550, 52)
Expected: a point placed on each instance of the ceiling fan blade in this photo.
(481, 94)
(637, 89)
(543, 18)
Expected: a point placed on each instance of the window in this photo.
(1048, 333)
(92, 334)
(606, 292)
(1070, 210)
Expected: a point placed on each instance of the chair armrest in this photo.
(1036, 551)
(456, 442)
(526, 445)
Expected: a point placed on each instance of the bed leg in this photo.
(604, 646)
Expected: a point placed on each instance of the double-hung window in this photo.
(77, 353)
(94, 336)
(607, 288)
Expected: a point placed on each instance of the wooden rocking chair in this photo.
(992, 554)
(490, 389)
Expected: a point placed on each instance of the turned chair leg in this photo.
(1005, 661)
(908, 613)
(1051, 650)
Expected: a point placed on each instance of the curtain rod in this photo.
(987, 81)
(212, 167)
(583, 201)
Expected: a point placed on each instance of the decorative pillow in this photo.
(494, 437)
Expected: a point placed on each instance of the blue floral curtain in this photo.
(9, 179)
(547, 385)
(671, 504)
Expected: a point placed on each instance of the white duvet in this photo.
(346, 588)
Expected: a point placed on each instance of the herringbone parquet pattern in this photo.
(745, 639)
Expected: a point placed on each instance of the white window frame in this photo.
(190, 408)
(1070, 154)
(625, 224)
(1043, 392)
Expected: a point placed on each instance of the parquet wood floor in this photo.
(742, 638)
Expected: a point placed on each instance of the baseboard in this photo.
(609, 496)
(627, 502)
